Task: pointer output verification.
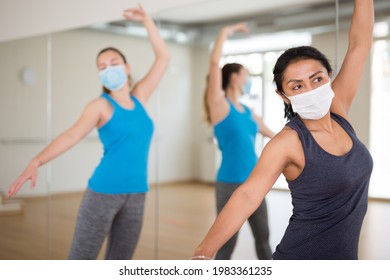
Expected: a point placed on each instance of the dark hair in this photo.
(124, 60)
(206, 106)
(293, 55)
(227, 71)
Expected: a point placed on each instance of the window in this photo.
(380, 118)
(262, 97)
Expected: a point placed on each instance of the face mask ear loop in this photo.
(285, 95)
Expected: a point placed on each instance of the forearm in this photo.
(218, 45)
(265, 131)
(228, 222)
(159, 47)
(57, 147)
(362, 24)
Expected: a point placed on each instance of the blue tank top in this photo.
(329, 200)
(236, 135)
(126, 140)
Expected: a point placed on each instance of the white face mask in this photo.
(314, 104)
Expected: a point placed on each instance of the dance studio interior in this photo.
(48, 75)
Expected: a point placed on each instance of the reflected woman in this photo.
(235, 127)
(327, 168)
(113, 203)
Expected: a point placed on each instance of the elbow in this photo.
(164, 58)
(363, 47)
(214, 63)
(72, 138)
(164, 55)
(252, 199)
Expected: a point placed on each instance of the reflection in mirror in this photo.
(25, 129)
(187, 199)
(80, 47)
(73, 82)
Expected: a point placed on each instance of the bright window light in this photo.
(268, 42)
(381, 29)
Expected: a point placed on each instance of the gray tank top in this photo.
(329, 200)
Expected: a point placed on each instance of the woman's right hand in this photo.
(30, 173)
(238, 27)
(136, 14)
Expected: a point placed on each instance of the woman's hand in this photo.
(200, 258)
(136, 14)
(30, 173)
(147, 85)
(238, 27)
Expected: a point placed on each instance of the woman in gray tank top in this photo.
(326, 166)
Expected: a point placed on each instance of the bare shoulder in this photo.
(99, 103)
(286, 136)
(97, 106)
(285, 143)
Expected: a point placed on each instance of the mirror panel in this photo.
(25, 127)
(303, 23)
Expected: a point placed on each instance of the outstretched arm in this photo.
(214, 96)
(87, 121)
(145, 87)
(347, 81)
(264, 129)
(246, 199)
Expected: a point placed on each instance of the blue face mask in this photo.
(113, 77)
(246, 88)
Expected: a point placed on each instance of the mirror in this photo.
(272, 29)
(187, 201)
(25, 126)
(47, 80)
(50, 79)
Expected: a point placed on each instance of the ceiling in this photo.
(198, 23)
(213, 11)
(20, 18)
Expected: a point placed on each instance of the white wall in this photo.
(22, 108)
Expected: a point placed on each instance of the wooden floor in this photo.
(177, 216)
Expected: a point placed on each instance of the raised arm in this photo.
(146, 86)
(246, 199)
(347, 81)
(214, 96)
(87, 121)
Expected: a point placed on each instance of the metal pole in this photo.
(337, 26)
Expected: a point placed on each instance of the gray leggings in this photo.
(119, 216)
(258, 222)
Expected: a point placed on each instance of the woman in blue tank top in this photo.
(113, 203)
(326, 166)
(235, 128)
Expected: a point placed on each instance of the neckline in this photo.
(322, 149)
(235, 108)
(120, 106)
